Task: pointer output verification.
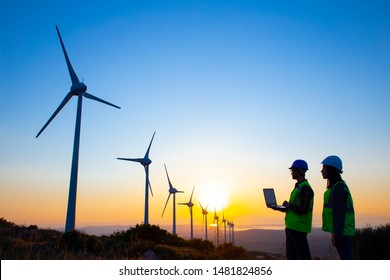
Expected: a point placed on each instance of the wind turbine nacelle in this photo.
(146, 162)
(78, 88)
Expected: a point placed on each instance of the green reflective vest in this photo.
(299, 222)
(327, 213)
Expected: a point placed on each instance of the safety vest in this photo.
(299, 222)
(327, 213)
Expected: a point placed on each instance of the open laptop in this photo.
(270, 199)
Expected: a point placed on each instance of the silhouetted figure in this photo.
(299, 214)
(338, 215)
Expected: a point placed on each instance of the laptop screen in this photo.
(269, 195)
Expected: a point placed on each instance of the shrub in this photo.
(372, 243)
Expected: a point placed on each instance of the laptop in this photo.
(270, 199)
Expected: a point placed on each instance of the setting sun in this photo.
(214, 196)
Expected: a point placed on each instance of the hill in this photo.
(152, 242)
(139, 242)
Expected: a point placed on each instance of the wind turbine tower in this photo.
(216, 221)
(232, 226)
(173, 191)
(229, 231)
(145, 162)
(224, 225)
(204, 221)
(190, 205)
(78, 89)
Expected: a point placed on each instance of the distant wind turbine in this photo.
(231, 231)
(145, 162)
(78, 89)
(190, 205)
(173, 191)
(216, 221)
(224, 225)
(204, 221)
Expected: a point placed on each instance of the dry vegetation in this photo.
(139, 242)
(150, 242)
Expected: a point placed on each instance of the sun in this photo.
(213, 196)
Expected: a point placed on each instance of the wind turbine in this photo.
(224, 225)
(216, 221)
(204, 221)
(173, 191)
(78, 89)
(190, 205)
(145, 162)
(229, 231)
(231, 227)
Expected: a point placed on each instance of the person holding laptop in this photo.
(299, 213)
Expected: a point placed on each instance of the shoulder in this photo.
(305, 185)
(306, 188)
(340, 189)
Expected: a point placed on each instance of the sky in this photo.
(235, 90)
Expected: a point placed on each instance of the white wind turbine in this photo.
(145, 162)
(78, 89)
(216, 221)
(173, 191)
(190, 205)
(204, 221)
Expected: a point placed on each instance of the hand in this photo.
(336, 240)
(286, 204)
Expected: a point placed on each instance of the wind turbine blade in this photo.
(192, 193)
(150, 187)
(147, 152)
(169, 181)
(147, 177)
(72, 73)
(131, 159)
(90, 96)
(63, 103)
(166, 203)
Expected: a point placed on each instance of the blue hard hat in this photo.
(334, 161)
(299, 164)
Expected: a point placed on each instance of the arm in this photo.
(305, 196)
(339, 208)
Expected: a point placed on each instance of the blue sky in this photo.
(235, 90)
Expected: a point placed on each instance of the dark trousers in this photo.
(344, 247)
(297, 247)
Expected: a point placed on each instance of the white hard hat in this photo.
(334, 161)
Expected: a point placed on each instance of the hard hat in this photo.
(334, 161)
(299, 164)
